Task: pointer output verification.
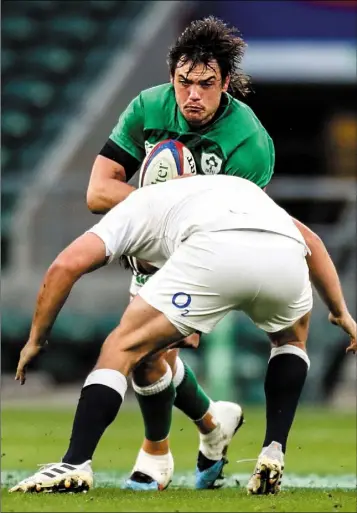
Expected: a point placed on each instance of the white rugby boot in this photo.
(151, 472)
(268, 471)
(58, 477)
(213, 446)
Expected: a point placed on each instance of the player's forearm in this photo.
(323, 272)
(105, 196)
(107, 185)
(325, 278)
(54, 290)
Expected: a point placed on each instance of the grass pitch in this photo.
(321, 453)
(184, 500)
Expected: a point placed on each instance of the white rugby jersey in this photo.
(154, 220)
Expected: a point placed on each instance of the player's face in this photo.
(198, 91)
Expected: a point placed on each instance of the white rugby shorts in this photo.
(260, 273)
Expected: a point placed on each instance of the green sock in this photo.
(156, 410)
(190, 397)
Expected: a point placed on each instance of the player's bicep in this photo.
(311, 238)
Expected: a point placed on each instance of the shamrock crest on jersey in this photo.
(210, 164)
(148, 147)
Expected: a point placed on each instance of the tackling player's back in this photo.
(153, 221)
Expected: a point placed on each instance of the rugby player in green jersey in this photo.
(225, 137)
(199, 108)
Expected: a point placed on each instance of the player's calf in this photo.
(143, 330)
(107, 386)
(284, 381)
(154, 465)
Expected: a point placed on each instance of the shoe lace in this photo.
(255, 459)
(44, 466)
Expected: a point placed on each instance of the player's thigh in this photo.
(143, 330)
(153, 366)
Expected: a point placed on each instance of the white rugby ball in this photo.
(167, 159)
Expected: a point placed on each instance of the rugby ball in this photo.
(167, 159)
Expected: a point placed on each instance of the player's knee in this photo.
(294, 335)
(153, 368)
(150, 370)
(300, 345)
(122, 352)
(118, 359)
(170, 357)
(192, 341)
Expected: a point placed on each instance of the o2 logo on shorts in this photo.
(182, 300)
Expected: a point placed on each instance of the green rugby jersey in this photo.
(235, 143)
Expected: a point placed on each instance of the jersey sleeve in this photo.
(128, 133)
(254, 159)
(121, 227)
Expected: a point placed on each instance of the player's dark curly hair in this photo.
(207, 39)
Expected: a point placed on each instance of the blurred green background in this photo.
(69, 68)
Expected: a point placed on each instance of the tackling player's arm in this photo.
(324, 276)
(84, 255)
(118, 161)
(108, 240)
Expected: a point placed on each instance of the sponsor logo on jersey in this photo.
(191, 163)
(210, 164)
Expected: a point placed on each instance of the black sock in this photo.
(284, 381)
(97, 407)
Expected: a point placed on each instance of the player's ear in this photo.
(226, 83)
(171, 79)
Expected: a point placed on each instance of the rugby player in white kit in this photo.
(219, 244)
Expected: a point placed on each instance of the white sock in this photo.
(160, 385)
